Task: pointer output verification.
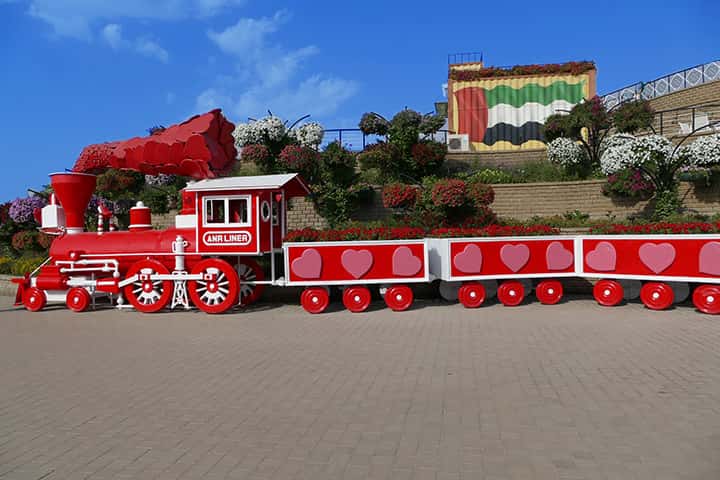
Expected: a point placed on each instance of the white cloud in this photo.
(75, 18)
(247, 38)
(149, 48)
(112, 34)
(266, 74)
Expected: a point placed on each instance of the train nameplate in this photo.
(227, 238)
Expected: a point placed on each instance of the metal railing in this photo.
(680, 80)
(465, 57)
(355, 140)
(682, 121)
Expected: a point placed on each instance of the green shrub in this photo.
(492, 175)
(5, 265)
(338, 164)
(24, 265)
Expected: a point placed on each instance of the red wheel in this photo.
(315, 299)
(471, 295)
(608, 293)
(356, 299)
(78, 299)
(657, 295)
(248, 270)
(706, 298)
(549, 292)
(218, 289)
(399, 297)
(146, 295)
(511, 293)
(34, 299)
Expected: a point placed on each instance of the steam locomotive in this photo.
(209, 258)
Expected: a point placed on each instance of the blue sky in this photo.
(77, 72)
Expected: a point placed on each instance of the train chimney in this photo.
(73, 190)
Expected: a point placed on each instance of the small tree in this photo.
(589, 124)
(660, 160)
(405, 156)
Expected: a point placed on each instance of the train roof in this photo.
(292, 183)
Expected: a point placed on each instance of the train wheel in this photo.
(549, 292)
(608, 293)
(78, 299)
(511, 293)
(148, 296)
(356, 299)
(249, 270)
(218, 290)
(706, 298)
(657, 295)
(315, 299)
(399, 297)
(471, 295)
(34, 299)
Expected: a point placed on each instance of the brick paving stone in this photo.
(572, 391)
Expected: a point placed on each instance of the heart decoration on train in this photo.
(404, 263)
(710, 258)
(469, 260)
(308, 265)
(357, 262)
(603, 258)
(657, 256)
(515, 256)
(558, 257)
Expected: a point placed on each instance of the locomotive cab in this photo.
(239, 215)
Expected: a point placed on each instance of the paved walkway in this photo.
(572, 391)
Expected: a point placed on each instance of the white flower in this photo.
(616, 158)
(565, 152)
(247, 133)
(272, 127)
(702, 152)
(160, 179)
(652, 148)
(309, 135)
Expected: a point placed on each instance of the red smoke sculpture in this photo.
(200, 147)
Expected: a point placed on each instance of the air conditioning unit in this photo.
(458, 143)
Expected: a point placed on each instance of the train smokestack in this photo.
(73, 190)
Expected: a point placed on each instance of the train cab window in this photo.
(215, 211)
(238, 210)
(230, 211)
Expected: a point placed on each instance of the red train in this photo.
(208, 260)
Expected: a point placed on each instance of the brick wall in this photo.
(302, 213)
(545, 199)
(480, 160)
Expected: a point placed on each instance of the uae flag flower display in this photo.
(507, 112)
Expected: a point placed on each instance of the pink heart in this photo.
(308, 265)
(469, 260)
(558, 257)
(515, 256)
(405, 263)
(603, 258)
(710, 258)
(657, 256)
(357, 262)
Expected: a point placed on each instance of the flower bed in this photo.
(406, 233)
(572, 68)
(657, 228)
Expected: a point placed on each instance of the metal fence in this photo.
(690, 77)
(355, 140)
(679, 122)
